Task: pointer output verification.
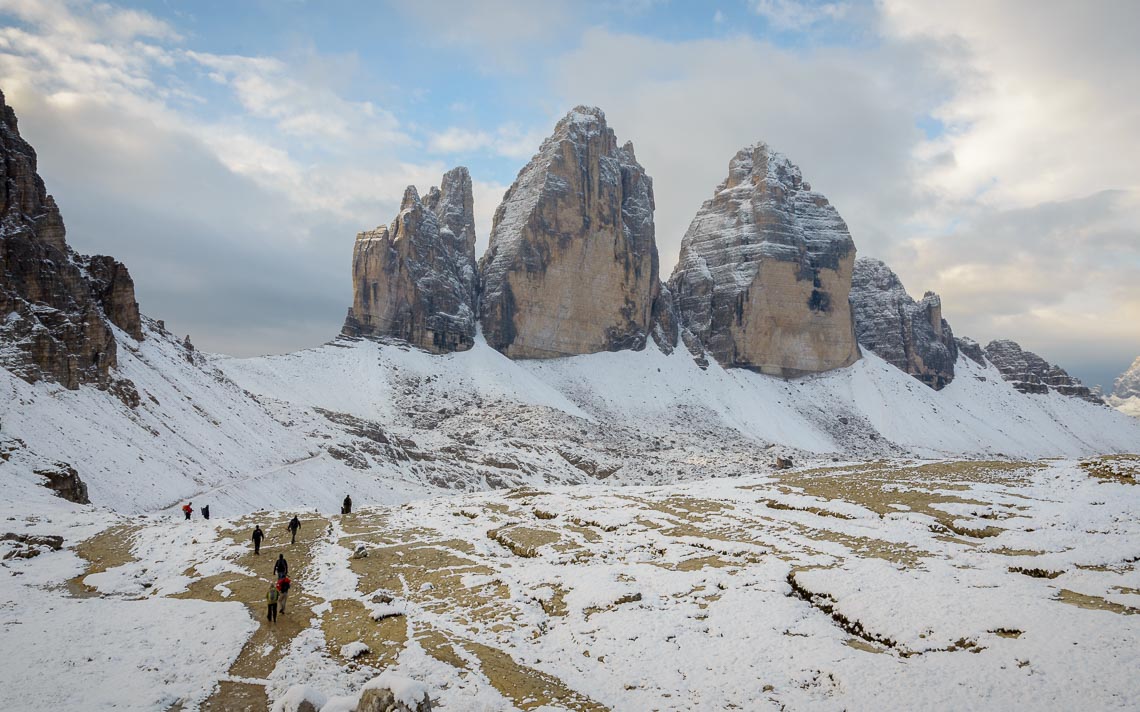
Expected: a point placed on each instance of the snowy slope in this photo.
(194, 433)
(388, 423)
(670, 396)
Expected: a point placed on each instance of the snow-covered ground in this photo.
(897, 585)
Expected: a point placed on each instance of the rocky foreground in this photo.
(894, 584)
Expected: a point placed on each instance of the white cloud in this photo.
(508, 141)
(796, 15)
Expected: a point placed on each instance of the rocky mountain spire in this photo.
(1029, 373)
(910, 335)
(417, 280)
(765, 270)
(572, 265)
(58, 306)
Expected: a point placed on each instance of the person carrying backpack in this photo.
(271, 598)
(283, 586)
(294, 527)
(258, 535)
(346, 507)
(188, 509)
(206, 512)
(280, 567)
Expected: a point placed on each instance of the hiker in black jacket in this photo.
(258, 535)
(346, 507)
(294, 527)
(280, 567)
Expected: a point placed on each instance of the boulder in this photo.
(56, 306)
(572, 264)
(1029, 373)
(909, 335)
(764, 272)
(391, 692)
(416, 281)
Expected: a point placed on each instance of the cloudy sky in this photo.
(229, 151)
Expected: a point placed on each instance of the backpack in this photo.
(272, 596)
(283, 585)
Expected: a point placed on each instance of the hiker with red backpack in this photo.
(283, 586)
(188, 509)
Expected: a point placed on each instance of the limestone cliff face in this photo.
(765, 271)
(1029, 373)
(910, 335)
(417, 280)
(572, 265)
(56, 307)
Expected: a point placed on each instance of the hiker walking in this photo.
(258, 535)
(188, 509)
(271, 598)
(283, 586)
(346, 508)
(280, 567)
(206, 512)
(294, 527)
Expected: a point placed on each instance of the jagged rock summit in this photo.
(910, 335)
(572, 265)
(1029, 373)
(57, 306)
(765, 270)
(1127, 384)
(1126, 391)
(417, 280)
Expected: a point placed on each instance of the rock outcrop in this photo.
(56, 307)
(971, 349)
(910, 335)
(572, 265)
(417, 280)
(1029, 373)
(765, 270)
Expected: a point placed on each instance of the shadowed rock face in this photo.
(56, 306)
(910, 335)
(1029, 373)
(572, 265)
(417, 281)
(765, 270)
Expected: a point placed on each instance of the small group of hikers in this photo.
(278, 592)
(293, 527)
(188, 509)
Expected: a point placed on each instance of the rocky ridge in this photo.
(58, 306)
(910, 335)
(417, 280)
(1029, 373)
(572, 265)
(765, 271)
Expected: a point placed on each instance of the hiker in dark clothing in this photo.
(188, 509)
(294, 526)
(346, 508)
(280, 567)
(258, 535)
(206, 512)
(271, 598)
(283, 586)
